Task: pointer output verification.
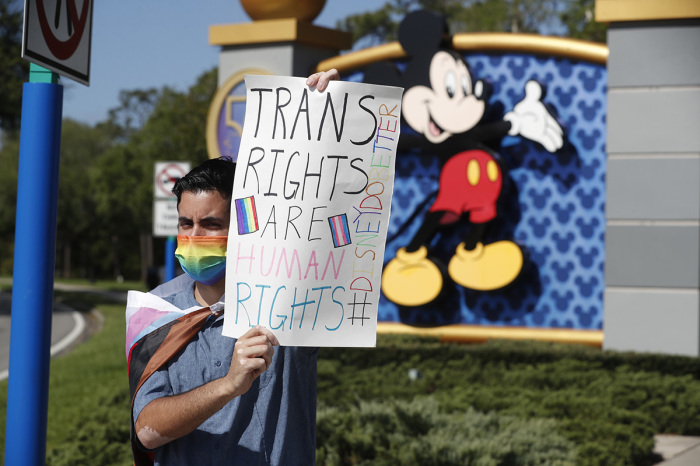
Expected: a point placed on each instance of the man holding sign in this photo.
(199, 397)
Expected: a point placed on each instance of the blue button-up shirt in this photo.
(273, 423)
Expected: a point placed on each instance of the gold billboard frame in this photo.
(499, 42)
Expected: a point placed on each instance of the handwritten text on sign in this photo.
(310, 213)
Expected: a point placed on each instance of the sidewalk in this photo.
(119, 296)
(677, 450)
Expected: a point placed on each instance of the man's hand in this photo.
(321, 79)
(252, 356)
(531, 120)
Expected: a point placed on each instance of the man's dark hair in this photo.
(212, 175)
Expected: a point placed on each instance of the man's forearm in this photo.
(171, 417)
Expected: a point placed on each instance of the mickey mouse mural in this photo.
(445, 108)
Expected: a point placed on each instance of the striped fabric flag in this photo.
(339, 230)
(145, 312)
(247, 216)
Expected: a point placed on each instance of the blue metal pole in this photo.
(32, 287)
(170, 258)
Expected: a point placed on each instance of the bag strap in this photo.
(159, 347)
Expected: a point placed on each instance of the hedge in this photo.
(418, 401)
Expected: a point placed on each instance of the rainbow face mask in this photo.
(203, 258)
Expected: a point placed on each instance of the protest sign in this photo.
(309, 218)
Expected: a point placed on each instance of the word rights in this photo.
(310, 210)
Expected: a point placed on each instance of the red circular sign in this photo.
(64, 49)
(169, 176)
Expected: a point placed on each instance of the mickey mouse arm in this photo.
(476, 137)
(490, 131)
(457, 143)
(410, 141)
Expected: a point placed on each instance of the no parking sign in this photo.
(57, 35)
(164, 201)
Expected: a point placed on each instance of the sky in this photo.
(139, 44)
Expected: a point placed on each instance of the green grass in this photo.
(497, 403)
(89, 398)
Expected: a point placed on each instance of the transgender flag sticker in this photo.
(247, 216)
(339, 230)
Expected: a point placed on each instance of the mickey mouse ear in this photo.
(384, 73)
(422, 32)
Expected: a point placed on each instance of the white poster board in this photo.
(310, 211)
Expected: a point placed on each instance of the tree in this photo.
(155, 125)
(568, 17)
(176, 130)
(9, 161)
(580, 23)
(121, 179)
(14, 71)
(135, 107)
(105, 201)
(76, 219)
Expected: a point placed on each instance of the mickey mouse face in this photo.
(449, 106)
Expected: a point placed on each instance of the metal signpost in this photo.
(165, 208)
(57, 37)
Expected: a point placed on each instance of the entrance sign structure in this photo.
(57, 36)
(280, 41)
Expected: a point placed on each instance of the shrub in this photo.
(416, 432)
(609, 404)
(503, 402)
(102, 436)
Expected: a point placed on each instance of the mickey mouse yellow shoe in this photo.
(411, 279)
(487, 267)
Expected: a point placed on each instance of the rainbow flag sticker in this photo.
(247, 216)
(339, 230)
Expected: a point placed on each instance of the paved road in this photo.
(66, 324)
